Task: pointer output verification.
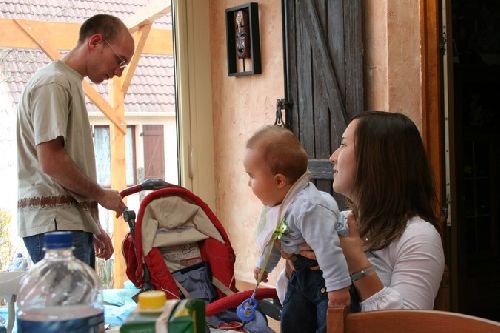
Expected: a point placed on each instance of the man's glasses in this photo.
(121, 61)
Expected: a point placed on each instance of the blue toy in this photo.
(246, 310)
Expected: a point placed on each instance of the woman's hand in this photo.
(307, 251)
(339, 297)
(352, 246)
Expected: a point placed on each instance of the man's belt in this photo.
(53, 201)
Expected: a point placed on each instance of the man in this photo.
(56, 163)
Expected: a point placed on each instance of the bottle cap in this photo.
(152, 301)
(57, 240)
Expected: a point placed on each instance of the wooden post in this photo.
(432, 115)
(118, 177)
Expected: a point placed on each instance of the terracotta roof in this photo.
(152, 87)
(74, 10)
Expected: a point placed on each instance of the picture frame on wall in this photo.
(243, 40)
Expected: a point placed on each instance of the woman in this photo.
(393, 249)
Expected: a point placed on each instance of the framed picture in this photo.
(243, 40)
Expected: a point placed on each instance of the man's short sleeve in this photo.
(50, 103)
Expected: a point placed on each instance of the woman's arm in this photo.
(413, 267)
(352, 246)
(416, 274)
(418, 266)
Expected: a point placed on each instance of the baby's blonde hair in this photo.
(281, 150)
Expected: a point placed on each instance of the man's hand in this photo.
(112, 200)
(103, 246)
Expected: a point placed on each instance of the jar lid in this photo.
(152, 301)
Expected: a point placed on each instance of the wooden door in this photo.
(324, 75)
(471, 82)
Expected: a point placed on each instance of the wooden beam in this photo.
(118, 177)
(65, 35)
(432, 116)
(37, 35)
(147, 15)
(140, 38)
(113, 115)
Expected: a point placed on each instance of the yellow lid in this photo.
(153, 300)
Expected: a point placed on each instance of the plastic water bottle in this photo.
(60, 293)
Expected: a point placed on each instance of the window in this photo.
(102, 151)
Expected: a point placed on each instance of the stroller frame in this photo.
(151, 272)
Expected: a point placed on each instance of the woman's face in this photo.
(344, 162)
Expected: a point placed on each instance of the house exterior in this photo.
(150, 110)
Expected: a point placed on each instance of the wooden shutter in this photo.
(154, 151)
(324, 75)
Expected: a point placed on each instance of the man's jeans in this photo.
(83, 247)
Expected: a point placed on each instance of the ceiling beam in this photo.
(65, 35)
(38, 37)
(140, 37)
(147, 15)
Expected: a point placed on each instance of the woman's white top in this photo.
(410, 269)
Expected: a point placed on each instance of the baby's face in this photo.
(262, 181)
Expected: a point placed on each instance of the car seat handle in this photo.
(154, 184)
(148, 184)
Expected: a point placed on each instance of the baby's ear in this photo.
(281, 180)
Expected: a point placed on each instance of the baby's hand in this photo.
(256, 272)
(339, 297)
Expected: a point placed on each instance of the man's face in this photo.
(110, 57)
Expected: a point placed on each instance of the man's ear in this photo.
(281, 180)
(94, 40)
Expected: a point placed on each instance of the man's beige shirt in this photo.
(53, 105)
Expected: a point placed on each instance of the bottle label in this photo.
(93, 324)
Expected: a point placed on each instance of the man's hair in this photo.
(107, 25)
(393, 179)
(281, 150)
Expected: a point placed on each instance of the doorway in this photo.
(472, 86)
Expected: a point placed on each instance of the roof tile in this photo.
(152, 87)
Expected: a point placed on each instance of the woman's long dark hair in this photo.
(393, 177)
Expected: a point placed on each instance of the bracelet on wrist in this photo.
(362, 273)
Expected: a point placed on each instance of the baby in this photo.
(296, 212)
